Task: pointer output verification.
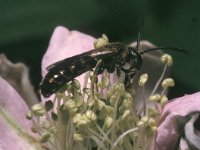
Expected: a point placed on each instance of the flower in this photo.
(16, 102)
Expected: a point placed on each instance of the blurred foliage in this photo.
(26, 27)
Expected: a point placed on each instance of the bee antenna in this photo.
(164, 48)
(139, 34)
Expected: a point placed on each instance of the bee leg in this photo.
(118, 71)
(118, 74)
(129, 74)
(98, 70)
(128, 79)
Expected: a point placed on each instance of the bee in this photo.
(109, 57)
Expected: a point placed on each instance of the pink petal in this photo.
(10, 140)
(17, 75)
(64, 44)
(167, 135)
(12, 103)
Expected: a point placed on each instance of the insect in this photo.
(109, 57)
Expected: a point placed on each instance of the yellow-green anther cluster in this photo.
(79, 101)
(38, 109)
(100, 42)
(163, 100)
(29, 115)
(152, 112)
(48, 105)
(100, 105)
(84, 119)
(104, 82)
(108, 121)
(127, 103)
(126, 114)
(44, 137)
(155, 97)
(149, 124)
(78, 137)
(75, 84)
(90, 115)
(53, 129)
(102, 114)
(166, 59)
(113, 99)
(109, 109)
(80, 120)
(143, 79)
(118, 89)
(71, 106)
(87, 91)
(34, 129)
(168, 82)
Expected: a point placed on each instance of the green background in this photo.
(26, 27)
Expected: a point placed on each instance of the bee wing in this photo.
(48, 68)
(86, 57)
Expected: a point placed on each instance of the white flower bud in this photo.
(166, 59)
(143, 79)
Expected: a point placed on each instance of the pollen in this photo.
(100, 42)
